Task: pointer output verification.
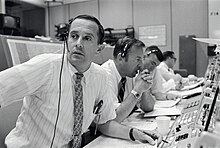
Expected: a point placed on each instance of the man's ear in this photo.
(119, 57)
(100, 48)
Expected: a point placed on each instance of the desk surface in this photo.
(136, 120)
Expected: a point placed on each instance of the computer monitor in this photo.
(8, 21)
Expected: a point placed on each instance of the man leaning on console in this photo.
(63, 94)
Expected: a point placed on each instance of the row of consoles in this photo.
(197, 126)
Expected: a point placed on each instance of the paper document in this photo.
(194, 85)
(166, 103)
(185, 93)
(108, 142)
(163, 112)
(141, 124)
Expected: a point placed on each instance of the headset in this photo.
(127, 45)
(62, 31)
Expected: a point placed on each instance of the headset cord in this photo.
(60, 76)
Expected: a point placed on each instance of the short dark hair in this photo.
(124, 44)
(101, 33)
(155, 50)
(168, 54)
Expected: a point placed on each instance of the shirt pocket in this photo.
(87, 121)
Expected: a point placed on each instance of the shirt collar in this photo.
(73, 70)
(118, 76)
(164, 65)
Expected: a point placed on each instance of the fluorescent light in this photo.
(152, 37)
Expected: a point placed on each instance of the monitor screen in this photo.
(8, 21)
(11, 21)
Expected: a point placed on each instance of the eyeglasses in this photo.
(173, 58)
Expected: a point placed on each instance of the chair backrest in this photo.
(182, 72)
(8, 118)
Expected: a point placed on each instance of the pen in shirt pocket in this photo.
(96, 111)
(97, 107)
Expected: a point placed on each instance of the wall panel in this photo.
(88, 7)
(189, 17)
(58, 14)
(153, 12)
(116, 13)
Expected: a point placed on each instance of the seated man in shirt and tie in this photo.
(176, 81)
(152, 58)
(126, 63)
(61, 94)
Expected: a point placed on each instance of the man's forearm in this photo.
(126, 107)
(147, 102)
(114, 129)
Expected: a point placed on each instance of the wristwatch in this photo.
(136, 94)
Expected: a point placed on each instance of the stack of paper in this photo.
(141, 124)
(166, 103)
(186, 93)
(192, 86)
(163, 112)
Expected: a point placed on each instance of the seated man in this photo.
(166, 69)
(127, 62)
(152, 58)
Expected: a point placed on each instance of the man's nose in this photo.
(79, 43)
(140, 66)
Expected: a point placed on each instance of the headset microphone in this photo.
(62, 31)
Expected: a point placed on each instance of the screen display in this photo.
(11, 22)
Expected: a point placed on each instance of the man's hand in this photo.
(192, 78)
(172, 97)
(147, 136)
(179, 85)
(178, 77)
(143, 81)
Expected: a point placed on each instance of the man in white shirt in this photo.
(166, 69)
(126, 63)
(47, 115)
(152, 58)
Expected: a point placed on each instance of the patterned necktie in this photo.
(78, 112)
(121, 89)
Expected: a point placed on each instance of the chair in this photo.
(8, 118)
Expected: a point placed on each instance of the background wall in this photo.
(181, 17)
